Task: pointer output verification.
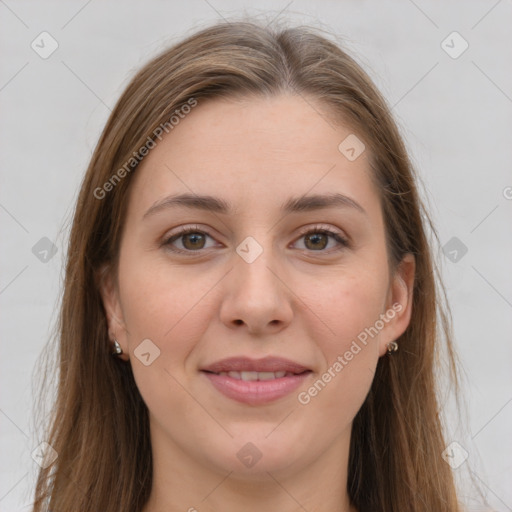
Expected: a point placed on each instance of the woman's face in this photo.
(258, 280)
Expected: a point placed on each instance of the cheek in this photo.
(163, 302)
(163, 305)
(348, 305)
(330, 404)
(172, 309)
(347, 330)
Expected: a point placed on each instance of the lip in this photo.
(267, 364)
(256, 392)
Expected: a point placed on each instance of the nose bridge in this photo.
(253, 263)
(255, 295)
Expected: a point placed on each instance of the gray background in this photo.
(455, 114)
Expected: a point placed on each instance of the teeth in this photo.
(251, 376)
(266, 375)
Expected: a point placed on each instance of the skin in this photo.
(296, 300)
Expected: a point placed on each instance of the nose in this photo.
(256, 297)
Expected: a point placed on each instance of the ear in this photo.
(109, 291)
(399, 302)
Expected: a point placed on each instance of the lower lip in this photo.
(256, 392)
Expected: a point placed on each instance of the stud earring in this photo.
(392, 347)
(117, 348)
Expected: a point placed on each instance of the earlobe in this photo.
(400, 300)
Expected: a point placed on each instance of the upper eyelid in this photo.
(303, 230)
(182, 231)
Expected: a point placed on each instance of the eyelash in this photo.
(342, 241)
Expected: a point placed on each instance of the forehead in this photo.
(253, 152)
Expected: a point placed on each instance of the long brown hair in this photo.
(99, 425)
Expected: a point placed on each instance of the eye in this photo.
(191, 239)
(316, 239)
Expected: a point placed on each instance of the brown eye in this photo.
(188, 240)
(316, 241)
(193, 241)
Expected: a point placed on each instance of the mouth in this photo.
(249, 376)
(256, 382)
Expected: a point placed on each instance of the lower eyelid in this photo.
(168, 241)
(338, 237)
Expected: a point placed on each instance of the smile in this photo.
(256, 388)
(252, 376)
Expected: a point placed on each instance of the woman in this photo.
(249, 319)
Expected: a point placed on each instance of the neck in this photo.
(182, 484)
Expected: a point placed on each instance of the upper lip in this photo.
(246, 364)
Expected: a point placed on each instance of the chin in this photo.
(250, 456)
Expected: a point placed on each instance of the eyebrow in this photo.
(217, 205)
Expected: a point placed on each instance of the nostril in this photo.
(239, 322)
